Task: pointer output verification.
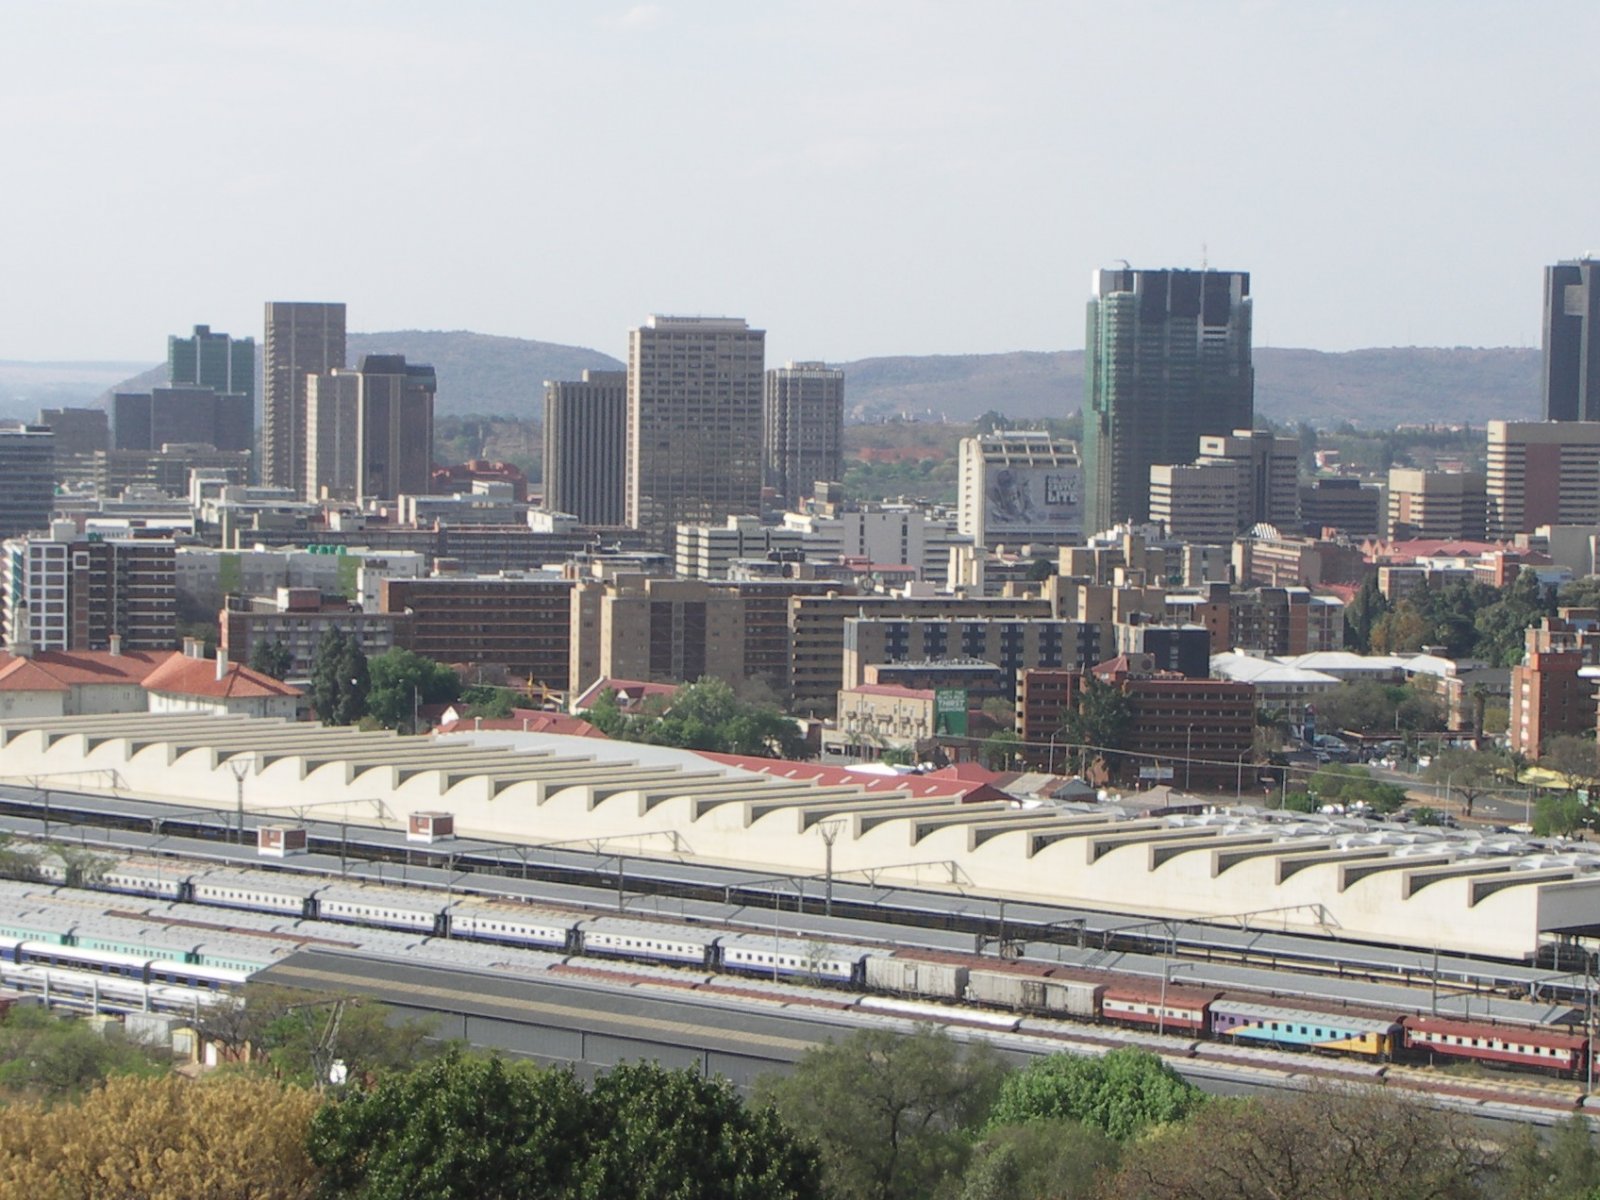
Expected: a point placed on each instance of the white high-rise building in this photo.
(1021, 486)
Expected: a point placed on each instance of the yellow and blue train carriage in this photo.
(1276, 1025)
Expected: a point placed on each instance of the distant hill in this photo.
(501, 376)
(1372, 388)
(478, 373)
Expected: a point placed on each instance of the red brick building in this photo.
(1548, 698)
(1203, 730)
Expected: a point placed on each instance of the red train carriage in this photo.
(1171, 1009)
(1512, 1045)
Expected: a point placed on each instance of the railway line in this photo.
(598, 880)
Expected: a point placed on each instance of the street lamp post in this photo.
(240, 768)
(1188, 753)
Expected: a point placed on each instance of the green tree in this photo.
(458, 1127)
(1365, 609)
(402, 680)
(339, 679)
(1041, 1160)
(889, 1112)
(1403, 630)
(672, 1135)
(490, 702)
(1560, 815)
(1122, 1093)
(1100, 717)
(1339, 783)
(1366, 706)
(1501, 626)
(271, 658)
(705, 715)
(48, 1056)
(491, 1130)
(304, 1034)
(1563, 1165)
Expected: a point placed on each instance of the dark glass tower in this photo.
(1571, 378)
(1166, 361)
(214, 360)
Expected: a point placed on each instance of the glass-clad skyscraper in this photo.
(1167, 361)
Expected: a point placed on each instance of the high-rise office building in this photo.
(1435, 504)
(1020, 486)
(803, 428)
(586, 447)
(27, 478)
(213, 360)
(302, 339)
(172, 415)
(694, 422)
(1571, 379)
(1542, 473)
(1167, 361)
(370, 430)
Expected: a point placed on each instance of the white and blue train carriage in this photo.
(793, 958)
(258, 891)
(512, 925)
(611, 937)
(390, 908)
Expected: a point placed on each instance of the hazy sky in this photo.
(856, 178)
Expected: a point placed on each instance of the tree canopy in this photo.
(1470, 774)
(1366, 706)
(163, 1139)
(271, 658)
(1121, 1094)
(890, 1113)
(492, 1130)
(1324, 1144)
(1341, 783)
(339, 679)
(705, 715)
(403, 679)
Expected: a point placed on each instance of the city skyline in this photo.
(956, 174)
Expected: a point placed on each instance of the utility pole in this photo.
(240, 768)
(829, 832)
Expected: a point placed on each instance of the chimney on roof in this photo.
(222, 664)
(20, 642)
(193, 648)
(116, 645)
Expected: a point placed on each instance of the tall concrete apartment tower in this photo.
(803, 428)
(1571, 380)
(586, 447)
(1167, 362)
(694, 422)
(370, 430)
(226, 365)
(302, 339)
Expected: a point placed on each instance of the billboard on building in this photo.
(950, 712)
(1023, 497)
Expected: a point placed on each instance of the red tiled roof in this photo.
(62, 670)
(627, 690)
(889, 689)
(540, 722)
(920, 786)
(185, 676)
(967, 772)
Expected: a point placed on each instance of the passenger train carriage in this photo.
(1276, 1025)
(1542, 1049)
(395, 919)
